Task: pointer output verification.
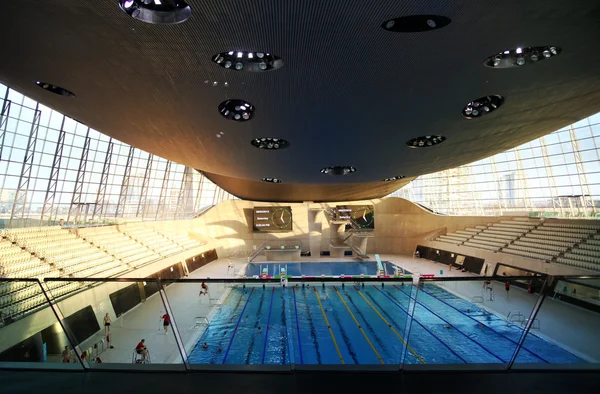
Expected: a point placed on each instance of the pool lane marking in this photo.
(485, 325)
(268, 322)
(390, 326)
(359, 326)
(237, 325)
(297, 326)
(451, 325)
(419, 323)
(329, 327)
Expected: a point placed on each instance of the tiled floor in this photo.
(572, 327)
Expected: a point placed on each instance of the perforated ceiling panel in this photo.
(349, 92)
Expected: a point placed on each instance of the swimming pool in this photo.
(357, 324)
(321, 268)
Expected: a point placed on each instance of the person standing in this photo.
(507, 287)
(203, 289)
(66, 355)
(107, 324)
(166, 322)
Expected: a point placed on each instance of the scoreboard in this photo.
(272, 219)
(362, 215)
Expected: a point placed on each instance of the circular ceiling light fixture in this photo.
(521, 56)
(271, 180)
(394, 178)
(238, 110)
(338, 170)
(482, 106)
(247, 61)
(157, 11)
(416, 23)
(425, 141)
(269, 143)
(55, 89)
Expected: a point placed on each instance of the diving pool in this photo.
(349, 268)
(357, 324)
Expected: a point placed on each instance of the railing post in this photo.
(534, 312)
(66, 329)
(178, 341)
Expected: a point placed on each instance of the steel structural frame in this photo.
(75, 208)
(48, 206)
(20, 201)
(160, 209)
(100, 196)
(144, 191)
(125, 183)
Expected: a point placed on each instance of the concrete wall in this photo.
(399, 226)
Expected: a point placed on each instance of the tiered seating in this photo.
(153, 240)
(585, 255)
(182, 240)
(551, 240)
(61, 248)
(18, 263)
(119, 245)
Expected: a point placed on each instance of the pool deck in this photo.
(572, 327)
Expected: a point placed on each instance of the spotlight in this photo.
(239, 66)
(227, 64)
(520, 61)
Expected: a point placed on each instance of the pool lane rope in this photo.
(237, 325)
(337, 348)
(268, 323)
(482, 323)
(420, 325)
(297, 326)
(488, 351)
(390, 326)
(359, 326)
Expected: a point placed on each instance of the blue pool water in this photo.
(362, 325)
(318, 269)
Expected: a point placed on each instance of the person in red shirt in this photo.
(141, 349)
(166, 322)
(203, 289)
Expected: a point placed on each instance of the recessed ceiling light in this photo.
(247, 61)
(271, 180)
(425, 141)
(482, 106)
(394, 178)
(232, 109)
(338, 170)
(269, 143)
(416, 23)
(157, 11)
(520, 57)
(55, 89)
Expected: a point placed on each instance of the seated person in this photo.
(141, 349)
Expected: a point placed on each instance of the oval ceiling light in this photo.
(482, 106)
(247, 61)
(269, 143)
(338, 170)
(416, 23)
(271, 180)
(238, 110)
(157, 11)
(394, 178)
(521, 56)
(55, 89)
(425, 141)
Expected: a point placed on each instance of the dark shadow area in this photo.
(314, 382)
